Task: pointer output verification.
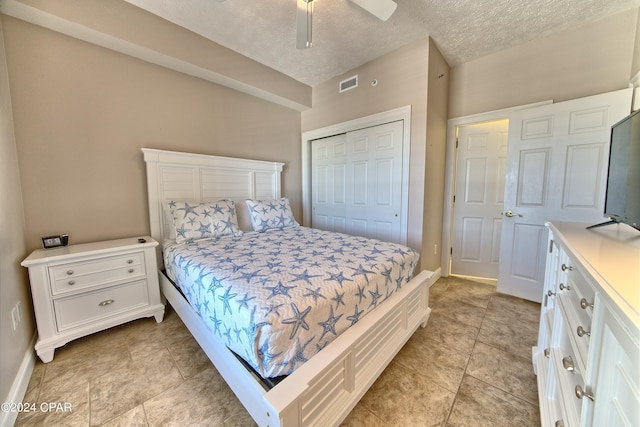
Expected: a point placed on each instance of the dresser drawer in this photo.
(76, 310)
(569, 374)
(579, 332)
(576, 300)
(578, 292)
(73, 276)
(581, 296)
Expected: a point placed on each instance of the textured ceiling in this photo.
(345, 36)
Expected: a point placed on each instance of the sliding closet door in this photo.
(357, 182)
(329, 172)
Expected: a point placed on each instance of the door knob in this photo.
(510, 214)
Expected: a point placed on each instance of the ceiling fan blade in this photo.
(381, 9)
(304, 17)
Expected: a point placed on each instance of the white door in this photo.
(329, 174)
(357, 182)
(556, 171)
(479, 192)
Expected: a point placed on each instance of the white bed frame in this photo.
(325, 389)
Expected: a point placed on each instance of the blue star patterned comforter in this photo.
(278, 297)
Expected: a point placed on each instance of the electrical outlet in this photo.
(15, 317)
(19, 311)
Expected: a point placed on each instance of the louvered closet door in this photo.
(357, 182)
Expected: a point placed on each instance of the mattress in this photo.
(278, 297)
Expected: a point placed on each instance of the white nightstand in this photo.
(81, 289)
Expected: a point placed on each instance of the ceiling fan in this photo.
(381, 9)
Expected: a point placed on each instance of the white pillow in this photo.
(242, 211)
(267, 214)
(202, 220)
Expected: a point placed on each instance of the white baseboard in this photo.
(435, 276)
(20, 383)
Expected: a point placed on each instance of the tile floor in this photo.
(471, 366)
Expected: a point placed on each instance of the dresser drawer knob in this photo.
(566, 267)
(567, 363)
(71, 282)
(580, 393)
(129, 261)
(582, 332)
(131, 270)
(584, 304)
(550, 293)
(106, 302)
(547, 353)
(564, 287)
(69, 272)
(559, 423)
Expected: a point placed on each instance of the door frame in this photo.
(451, 158)
(401, 113)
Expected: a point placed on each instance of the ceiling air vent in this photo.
(349, 83)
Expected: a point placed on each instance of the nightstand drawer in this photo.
(72, 276)
(75, 310)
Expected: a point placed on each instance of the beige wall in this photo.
(587, 60)
(82, 113)
(14, 286)
(404, 77)
(437, 103)
(127, 28)
(635, 65)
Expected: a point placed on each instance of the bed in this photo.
(352, 346)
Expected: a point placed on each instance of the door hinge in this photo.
(551, 246)
(451, 250)
(456, 142)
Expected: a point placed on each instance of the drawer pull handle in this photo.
(582, 332)
(564, 287)
(106, 302)
(69, 272)
(129, 261)
(584, 304)
(71, 282)
(566, 267)
(567, 363)
(580, 393)
(131, 270)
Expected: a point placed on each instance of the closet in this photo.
(357, 182)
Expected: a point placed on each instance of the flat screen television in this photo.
(622, 200)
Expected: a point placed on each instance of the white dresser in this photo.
(588, 355)
(81, 289)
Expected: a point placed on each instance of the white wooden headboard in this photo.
(173, 175)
